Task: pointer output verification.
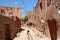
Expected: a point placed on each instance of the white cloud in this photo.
(34, 4)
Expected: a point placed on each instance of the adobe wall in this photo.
(14, 26)
(10, 11)
(45, 12)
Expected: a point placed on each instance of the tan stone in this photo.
(44, 10)
(10, 12)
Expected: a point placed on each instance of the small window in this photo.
(10, 13)
(29, 16)
(12, 17)
(7, 9)
(48, 2)
(41, 5)
(3, 11)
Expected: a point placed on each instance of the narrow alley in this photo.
(29, 19)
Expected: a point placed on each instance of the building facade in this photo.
(10, 22)
(44, 10)
(10, 12)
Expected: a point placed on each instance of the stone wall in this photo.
(44, 10)
(10, 12)
(8, 27)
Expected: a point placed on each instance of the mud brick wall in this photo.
(8, 27)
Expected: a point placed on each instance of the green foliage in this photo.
(24, 19)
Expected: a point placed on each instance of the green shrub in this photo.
(24, 19)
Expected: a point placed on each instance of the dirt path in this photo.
(32, 34)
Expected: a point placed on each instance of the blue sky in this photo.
(25, 5)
